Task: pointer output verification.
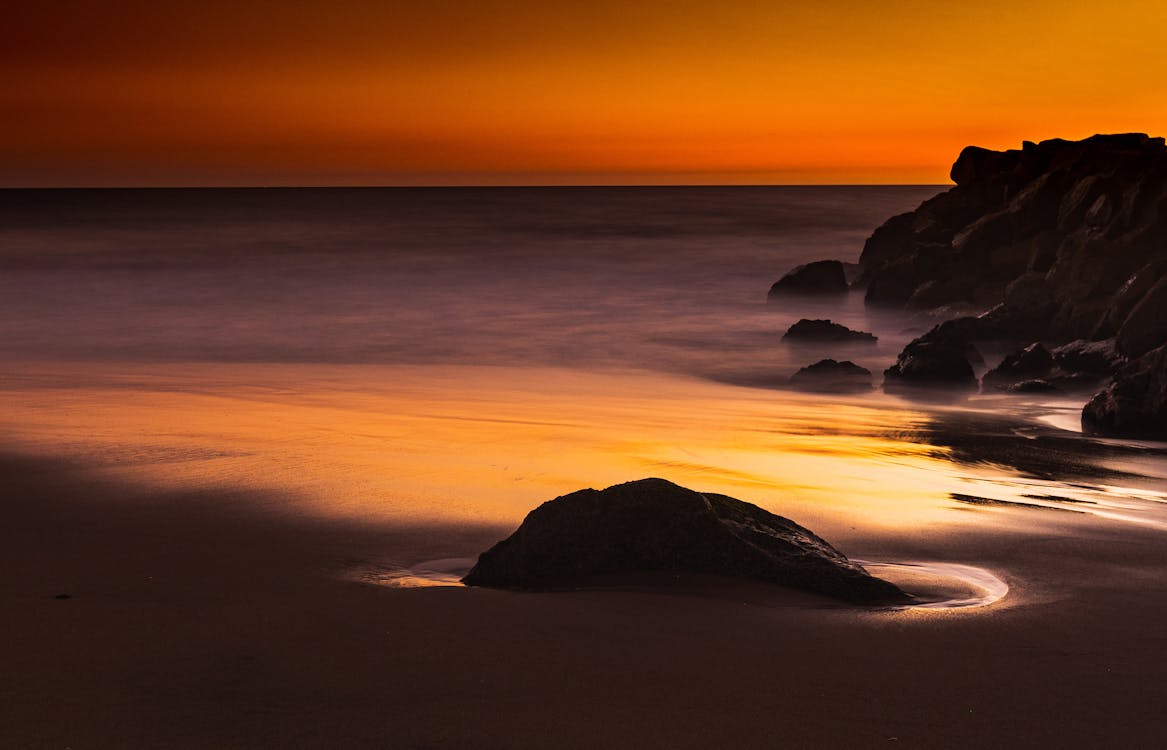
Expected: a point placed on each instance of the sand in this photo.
(196, 621)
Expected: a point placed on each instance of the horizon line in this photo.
(341, 186)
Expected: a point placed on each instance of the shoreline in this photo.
(217, 609)
(211, 624)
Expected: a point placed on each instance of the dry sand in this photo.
(195, 622)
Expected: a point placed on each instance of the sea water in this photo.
(460, 355)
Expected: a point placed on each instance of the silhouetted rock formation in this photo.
(655, 525)
(1135, 403)
(1096, 358)
(1036, 385)
(1032, 362)
(1065, 240)
(1077, 219)
(825, 331)
(820, 277)
(944, 356)
(829, 376)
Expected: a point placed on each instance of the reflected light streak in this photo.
(437, 444)
(473, 444)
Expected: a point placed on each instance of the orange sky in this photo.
(534, 92)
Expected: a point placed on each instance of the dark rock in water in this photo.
(1029, 363)
(1097, 358)
(655, 525)
(1068, 238)
(820, 277)
(1080, 383)
(825, 331)
(1135, 403)
(941, 357)
(829, 376)
(968, 331)
(931, 363)
(1034, 386)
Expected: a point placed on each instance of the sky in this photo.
(464, 92)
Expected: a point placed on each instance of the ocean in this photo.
(669, 279)
(457, 356)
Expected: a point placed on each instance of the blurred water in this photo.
(464, 354)
(673, 279)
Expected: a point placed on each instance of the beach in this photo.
(250, 439)
(195, 623)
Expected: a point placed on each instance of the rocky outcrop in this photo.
(654, 525)
(1135, 403)
(825, 331)
(1099, 359)
(1064, 240)
(820, 277)
(1031, 363)
(830, 376)
(1076, 220)
(944, 356)
(1036, 385)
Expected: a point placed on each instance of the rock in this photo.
(932, 294)
(589, 536)
(1074, 382)
(1029, 363)
(1145, 328)
(1095, 358)
(1029, 303)
(1065, 240)
(1034, 386)
(943, 356)
(895, 284)
(825, 331)
(1135, 403)
(933, 364)
(1133, 291)
(975, 165)
(829, 376)
(1084, 215)
(820, 277)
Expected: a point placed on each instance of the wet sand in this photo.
(197, 621)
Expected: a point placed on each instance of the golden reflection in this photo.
(484, 444)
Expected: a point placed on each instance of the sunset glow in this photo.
(456, 92)
(404, 444)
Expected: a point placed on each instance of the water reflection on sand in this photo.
(942, 585)
(486, 444)
(467, 443)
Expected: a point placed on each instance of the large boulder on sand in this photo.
(820, 277)
(812, 331)
(590, 536)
